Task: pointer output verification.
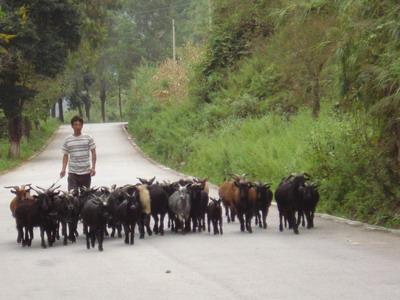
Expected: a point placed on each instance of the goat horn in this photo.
(44, 190)
(53, 189)
(12, 187)
(141, 180)
(52, 186)
(234, 176)
(37, 191)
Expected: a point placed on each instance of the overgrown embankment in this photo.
(300, 87)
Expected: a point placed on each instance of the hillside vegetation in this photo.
(280, 87)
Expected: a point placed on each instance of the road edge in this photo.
(325, 216)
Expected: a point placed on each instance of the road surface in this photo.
(332, 261)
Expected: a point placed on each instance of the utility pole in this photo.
(173, 41)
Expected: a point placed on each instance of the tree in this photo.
(44, 30)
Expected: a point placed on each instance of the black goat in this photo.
(36, 213)
(128, 213)
(214, 215)
(289, 198)
(67, 207)
(196, 207)
(263, 199)
(95, 216)
(309, 203)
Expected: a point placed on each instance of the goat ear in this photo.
(152, 180)
(236, 183)
(141, 180)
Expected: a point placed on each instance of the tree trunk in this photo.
(119, 101)
(103, 97)
(27, 126)
(87, 108)
(316, 105)
(15, 134)
(80, 110)
(53, 111)
(60, 110)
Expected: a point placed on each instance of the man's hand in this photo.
(92, 172)
(62, 173)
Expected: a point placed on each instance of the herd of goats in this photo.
(186, 203)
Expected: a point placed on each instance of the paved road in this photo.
(333, 261)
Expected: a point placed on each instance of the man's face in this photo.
(77, 126)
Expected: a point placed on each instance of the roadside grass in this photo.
(37, 140)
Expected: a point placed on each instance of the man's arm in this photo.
(64, 165)
(94, 158)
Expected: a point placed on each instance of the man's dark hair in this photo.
(76, 119)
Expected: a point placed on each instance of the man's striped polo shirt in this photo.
(78, 148)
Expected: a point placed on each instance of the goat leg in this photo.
(133, 233)
(162, 216)
(100, 238)
(264, 219)
(20, 234)
(43, 244)
(126, 229)
(87, 241)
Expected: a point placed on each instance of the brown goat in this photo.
(229, 193)
(22, 193)
(235, 196)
